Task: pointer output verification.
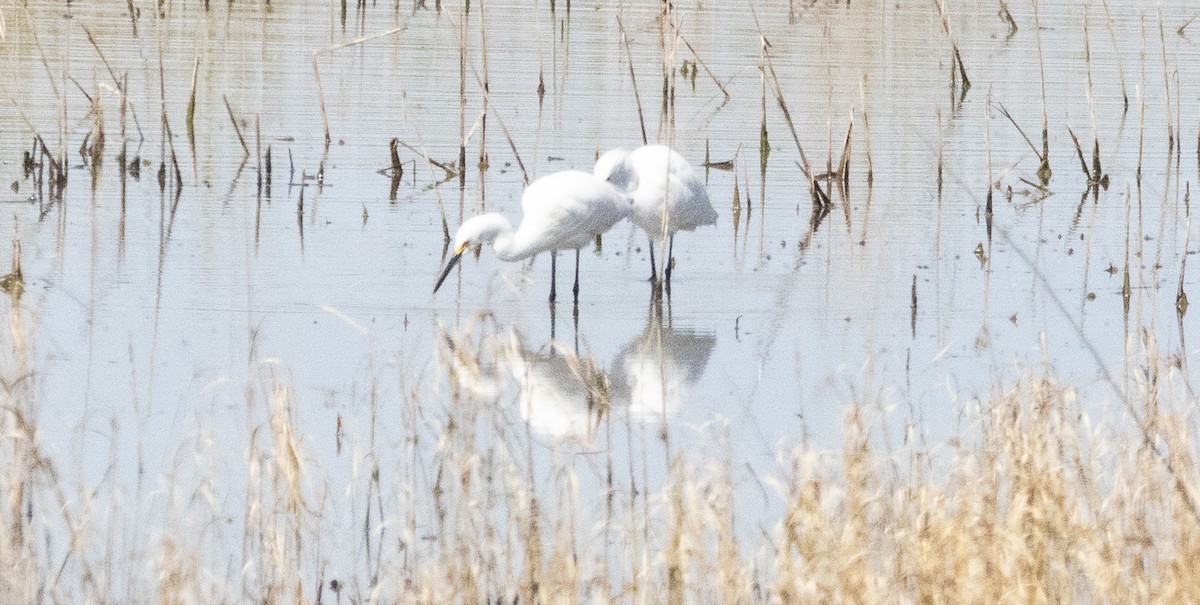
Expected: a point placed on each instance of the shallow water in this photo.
(158, 324)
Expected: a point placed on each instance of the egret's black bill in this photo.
(446, 272)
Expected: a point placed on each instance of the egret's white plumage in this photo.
(658, 179)
(561, 211)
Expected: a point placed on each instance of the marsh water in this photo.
(163, 314)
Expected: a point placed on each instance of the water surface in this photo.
(159, 326)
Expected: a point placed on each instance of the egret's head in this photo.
(613, 168)
(481, 229)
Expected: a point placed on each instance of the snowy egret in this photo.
(562, 211)
(664, 188)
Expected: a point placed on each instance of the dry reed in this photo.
(1034, 501)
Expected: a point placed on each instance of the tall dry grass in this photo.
(1033, 502)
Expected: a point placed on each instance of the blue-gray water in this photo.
(152, 322)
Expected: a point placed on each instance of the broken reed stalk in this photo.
(437, 191)
(1141, 101)
(1162, 38)
(1179, 121)
(133, 17)
(819, 197)
(321, 98)
(1117, 55)
(764, 146)
(862, 96)
(397, 168)
(1008, 18)
(866, 215)
(174, 160)
(708, 71)
(483, 51)
(448, 168)
(913, 307)
(957, 92)
(83, 91)
(169, 138)
(258, 168)
(1013, 121)
(1044, 172)
(962, 72)
(507, 136)
(987, 146)
(50, 76)
(122, 163)
(829, 107)
(669, 36)
(462, 99)
(92, 39)
(769, 67)
(1087, 61)
(191, 106)
(843, 169)
(632, 79)
(236, 128)
(1079, 153)
(1095, 176)
(664, 111)
(1181, 299)
(95, 151)
(330, 49)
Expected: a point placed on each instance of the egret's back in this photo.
(665, 178)
(567, 210)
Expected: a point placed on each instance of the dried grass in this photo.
(1033, 503)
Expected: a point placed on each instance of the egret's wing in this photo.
(567, 210)
(690, 207)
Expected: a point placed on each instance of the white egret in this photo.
(562, 211)
(664, 187)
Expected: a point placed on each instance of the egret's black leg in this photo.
(653, 265)
(670, 258)
(553, 260)
(575, 319)
(575, 290)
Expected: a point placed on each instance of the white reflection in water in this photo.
(653, 374)
(470, 360)
(563, 396)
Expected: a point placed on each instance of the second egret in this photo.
(668, 195)
(562, 211)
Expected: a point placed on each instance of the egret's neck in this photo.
(622, 177)
(506, 246)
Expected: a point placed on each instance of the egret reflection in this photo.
(470, 360)
(563, 396)
(654, 372)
